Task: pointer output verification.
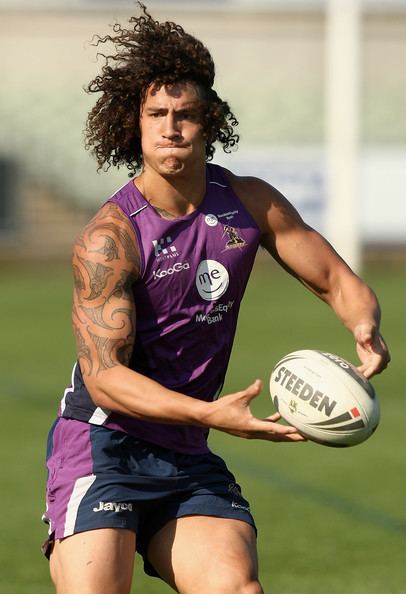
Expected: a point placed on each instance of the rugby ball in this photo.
(325, 398)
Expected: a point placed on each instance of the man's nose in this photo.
(171, 127)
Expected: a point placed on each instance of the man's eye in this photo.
(187, 115)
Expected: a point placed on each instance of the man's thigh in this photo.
(206, 555)
(94, 562)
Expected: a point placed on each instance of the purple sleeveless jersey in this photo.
(194, 271)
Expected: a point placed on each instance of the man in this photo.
(129, 467)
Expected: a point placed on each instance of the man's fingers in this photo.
(249, 426)
(252, 391)
(291, 437)
(274, 418)
(277, 432)
(270, 426)
(366, 370)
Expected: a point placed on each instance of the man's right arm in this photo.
(106, 263)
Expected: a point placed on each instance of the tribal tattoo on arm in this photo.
(105, 263)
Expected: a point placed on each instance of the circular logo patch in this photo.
(211, 220)
(211, 280)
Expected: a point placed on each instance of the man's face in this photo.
(171, 131)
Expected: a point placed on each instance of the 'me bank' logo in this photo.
(211, 280)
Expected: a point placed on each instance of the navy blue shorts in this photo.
(99, 478)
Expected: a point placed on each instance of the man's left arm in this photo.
(316, 264)
(306, 255)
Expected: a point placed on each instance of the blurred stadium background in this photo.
(333, 521)
(271, 66)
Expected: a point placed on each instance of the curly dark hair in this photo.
(150, 53)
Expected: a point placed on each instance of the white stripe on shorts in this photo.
(99, 416)
(82, 485)
(69, 389)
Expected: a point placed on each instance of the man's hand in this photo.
(232, 414)
(371, 349)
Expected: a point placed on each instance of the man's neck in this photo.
(173, 196)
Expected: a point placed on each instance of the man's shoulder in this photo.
(109, 221)
(258, 196)
(110, 213)
(108, 241)
(250, 188)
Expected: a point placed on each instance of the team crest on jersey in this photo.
(234, 240)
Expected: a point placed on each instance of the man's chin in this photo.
(172, 166)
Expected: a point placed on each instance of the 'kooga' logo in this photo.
(178, 267)
(211, 280)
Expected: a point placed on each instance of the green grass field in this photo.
(330, 521)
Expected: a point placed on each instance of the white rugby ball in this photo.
(325, 398)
